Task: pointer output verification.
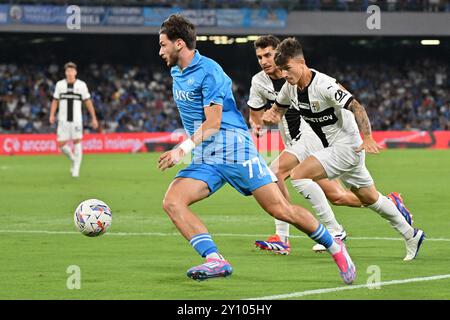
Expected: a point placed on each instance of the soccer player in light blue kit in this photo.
(223, 152)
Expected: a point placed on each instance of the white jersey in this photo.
(322, 104)
(70, 97)
(263, 93)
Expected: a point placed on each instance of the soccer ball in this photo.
(92, 217)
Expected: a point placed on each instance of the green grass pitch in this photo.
(143, 256)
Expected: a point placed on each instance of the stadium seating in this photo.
(133, 99)
(303, 5)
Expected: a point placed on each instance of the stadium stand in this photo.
(303, 5)
(135, 98)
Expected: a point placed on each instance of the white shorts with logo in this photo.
(342, 161)
(69, 131)
(306, 145)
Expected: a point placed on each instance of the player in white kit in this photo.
(68, 98)
(299, 140)
(337, 119)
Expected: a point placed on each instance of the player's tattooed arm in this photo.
(369, 144)
(361, 117)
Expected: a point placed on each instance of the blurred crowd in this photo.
(332, 5)
(414, 95)
(126, 98)
(133, 98)
(361, 5)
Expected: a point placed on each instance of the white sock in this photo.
(67, 151)
(387, 209)
(78, 156)
(282, 230)
(215, 255)
(315, 195)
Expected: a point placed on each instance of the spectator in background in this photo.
(139, 98)
(433, 5)
(391, 5)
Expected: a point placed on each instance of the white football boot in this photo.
(413, 245)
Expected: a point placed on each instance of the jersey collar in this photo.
(194, 61)
(312, 78)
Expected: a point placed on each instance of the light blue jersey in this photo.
(200, 85)
(230, 155)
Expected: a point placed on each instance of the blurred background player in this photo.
(300, 142)
(223, 153)
(68, 98)
(335, 116)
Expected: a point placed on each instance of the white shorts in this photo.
(69, 131)
(342, 161)
(306, 145)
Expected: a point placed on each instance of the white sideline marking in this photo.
(162, 234)
(328, 290)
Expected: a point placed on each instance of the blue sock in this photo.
(203, 244)
(322, 236)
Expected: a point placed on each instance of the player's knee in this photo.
(173, 205)
(170, 205)
(336, 199)
(368, 199)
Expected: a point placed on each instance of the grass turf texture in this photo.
(144, 257)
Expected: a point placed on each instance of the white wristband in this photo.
(187, 146)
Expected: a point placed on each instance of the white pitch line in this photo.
(163, 234)
(337, 289)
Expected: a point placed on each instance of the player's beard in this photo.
(172, 59)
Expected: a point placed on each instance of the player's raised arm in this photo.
(362, 119)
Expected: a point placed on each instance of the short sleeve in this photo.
(338, 97)
(255, 100)
(57, 91)
(284, 98)
(214, 88)
(85, 92)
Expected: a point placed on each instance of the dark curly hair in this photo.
(176, 27)
(288, 48)
(266, 41)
